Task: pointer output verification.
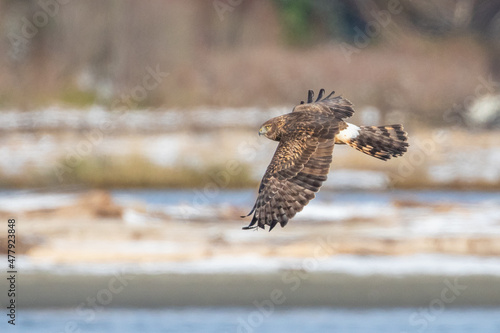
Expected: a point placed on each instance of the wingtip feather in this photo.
(310, 96)
(320, 95)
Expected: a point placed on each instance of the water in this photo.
(251, 319)
(248, 196)
(484, 320)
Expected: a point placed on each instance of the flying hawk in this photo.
(302, 160)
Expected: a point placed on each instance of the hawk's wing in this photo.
(338, 106)
(301, 162)
(286, 188)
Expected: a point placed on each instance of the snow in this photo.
(37, 140)
(357, 180)
(146, 120)
(25, 202)
(477, 216)
(425, 264)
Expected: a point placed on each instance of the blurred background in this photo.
(129, 148)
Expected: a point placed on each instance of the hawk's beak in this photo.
(262, 131)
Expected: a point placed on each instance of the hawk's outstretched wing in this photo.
(301, 162)
(339, 107)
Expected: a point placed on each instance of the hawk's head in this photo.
(271, 129)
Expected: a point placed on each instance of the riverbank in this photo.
(176, 226)
(97, 148)
(164, 248)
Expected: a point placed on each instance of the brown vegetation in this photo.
(258, 53)
(423, 70)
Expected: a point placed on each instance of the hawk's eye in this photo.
(268, 127)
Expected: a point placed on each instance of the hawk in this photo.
(302, 160)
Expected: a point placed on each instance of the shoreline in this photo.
(131, 159)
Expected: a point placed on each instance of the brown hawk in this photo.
(302, 160)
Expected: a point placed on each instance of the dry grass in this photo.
(415, 77)
(454, 160)
(132, 172)
(240, 61)
(136, 171)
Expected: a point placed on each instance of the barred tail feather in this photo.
(382, 142)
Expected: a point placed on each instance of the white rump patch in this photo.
(347, 134)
